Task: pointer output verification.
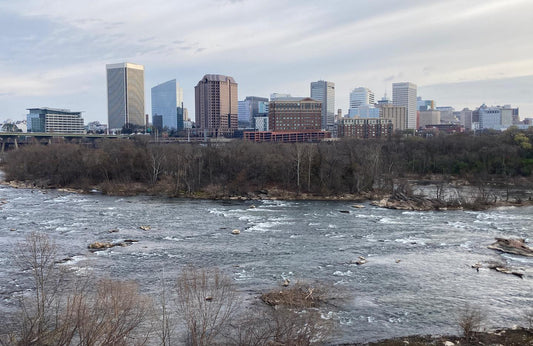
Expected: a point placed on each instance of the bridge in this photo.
(12, 140)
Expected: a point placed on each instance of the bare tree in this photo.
(112, 315)
(37, 255)
(206, 301)
(300, 328)
(298, 154)
(157, 157)
(470, 321)
(164, 317)
(60, 311)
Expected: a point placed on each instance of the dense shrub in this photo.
(238, 167)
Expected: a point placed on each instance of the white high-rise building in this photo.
(166, 98)
(360, 97)
(125, 95)
(324, 92)
(404, 94)
(497, 118)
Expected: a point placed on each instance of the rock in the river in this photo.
(358, 206)
(106, 245)
(100, 245)
(235, 231)
(360, 261)
(501, 268)
(145, 227)
(512, 246)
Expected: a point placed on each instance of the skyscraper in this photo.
(361, 96)
(216, 104)
(125, 95)
(404, 94)
(325, 92)
(166, 98)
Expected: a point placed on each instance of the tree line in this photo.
(346, 166)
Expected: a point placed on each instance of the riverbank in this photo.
(508, 336)
(415, 199)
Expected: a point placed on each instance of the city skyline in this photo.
(460, 55)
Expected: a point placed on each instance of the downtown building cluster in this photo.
(282, 117)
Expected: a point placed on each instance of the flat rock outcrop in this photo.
(97, 245)
(512, 246)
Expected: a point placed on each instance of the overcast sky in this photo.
(460, 53)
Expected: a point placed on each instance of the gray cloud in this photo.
(351, 42)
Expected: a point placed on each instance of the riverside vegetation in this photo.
(202, 306)
(350, 169)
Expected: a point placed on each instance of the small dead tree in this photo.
(62, 310)
(300, 328)
(157, 157)
(206, 301)
(470, 321)
(39, 311)
(112, 315)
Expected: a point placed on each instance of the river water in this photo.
(418, 271)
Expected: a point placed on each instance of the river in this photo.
(418, 271)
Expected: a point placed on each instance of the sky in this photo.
(460, 53)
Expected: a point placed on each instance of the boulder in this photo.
(360, 261)
(501, 268)
(97, 245)
(512, 246)
(145, 227)
(100, 245)
(235, 231)
(358, 206)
